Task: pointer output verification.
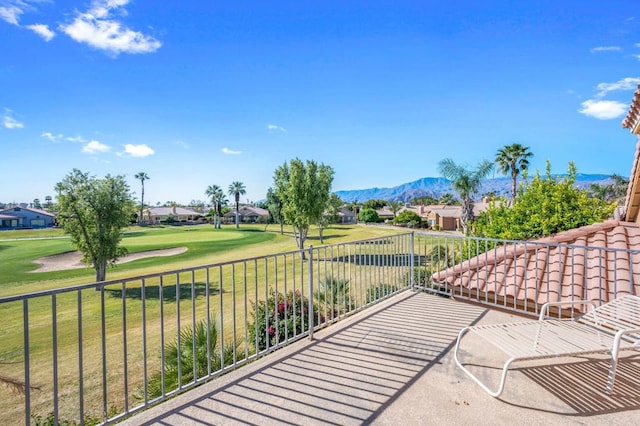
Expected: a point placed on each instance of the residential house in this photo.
(385, 214)
(247, 214)
(346, 216)
(25, 217)
(447, 218)
(154, 215)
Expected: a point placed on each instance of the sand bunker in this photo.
(71, 260)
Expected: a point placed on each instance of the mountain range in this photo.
(436, 187)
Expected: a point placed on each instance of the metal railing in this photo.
(98, 352)
(523, 275)
(102, 351)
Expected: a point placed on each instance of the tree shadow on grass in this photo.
(325, 237)
(168, 292)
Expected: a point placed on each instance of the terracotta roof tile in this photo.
(567, 265)
(633, 116)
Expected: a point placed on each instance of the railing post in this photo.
(310, 293)
(412, 261)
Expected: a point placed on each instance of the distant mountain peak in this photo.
(437, 186)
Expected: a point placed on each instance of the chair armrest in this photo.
(545, 307)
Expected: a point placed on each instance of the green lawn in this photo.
(205, 245)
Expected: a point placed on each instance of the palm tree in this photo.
(236, 189)
(466, 182)
(218, 199)
(142, 176)
(513, 158)
(447, 199)
(394, 206)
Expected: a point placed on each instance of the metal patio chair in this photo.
(612, 327)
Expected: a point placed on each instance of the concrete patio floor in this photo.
(393, 365)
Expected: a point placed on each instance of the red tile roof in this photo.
(549, 269)
(632, 119)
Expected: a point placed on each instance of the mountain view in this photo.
(436, 187)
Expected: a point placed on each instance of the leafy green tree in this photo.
(94, 213)
(545, 206)
(274, 205)
(218, 199)
(331, 213)
(236, 189)
(448, 199)
(368, 215)
(142, 176)
(407, 217)
(513, 159)
(304, 190)
(374, 204)
(36, 203)
(467, 182)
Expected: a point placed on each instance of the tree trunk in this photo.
(300, 236)
(101, 270)
(320, 229)
(281, 228)
(514, 175)
(467, 214)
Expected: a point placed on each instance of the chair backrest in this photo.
(620, 314)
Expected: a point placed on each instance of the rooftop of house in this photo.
(548, 269)
(16, 209)
(165, 211)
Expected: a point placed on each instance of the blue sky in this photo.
(196, 93)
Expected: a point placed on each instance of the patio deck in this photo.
(393, 364)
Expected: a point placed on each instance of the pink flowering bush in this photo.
(279, 318)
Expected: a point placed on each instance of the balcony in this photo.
(354, 333)
(393, 364)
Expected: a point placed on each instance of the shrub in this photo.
(408, 218)
(369, 216)
(334, 295)
(379, 291)
(278, 319)
(184, 352)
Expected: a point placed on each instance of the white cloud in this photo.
(605, 49)
(95, 147)
(627, 83)
(51, 136)
(603, 110)
(230, 151)
(183, 144)
(141, 150)
(99, 29)
(9, 122)
(42, 30)
(11, 12)
(75, 139)
(275, 128)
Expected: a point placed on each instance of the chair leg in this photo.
(503, 377)
(612, 370)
